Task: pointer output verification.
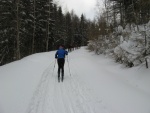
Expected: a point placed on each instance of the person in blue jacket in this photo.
(60, 56)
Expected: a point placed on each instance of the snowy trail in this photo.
(39, 97)
(110, 88)
(67, 97)
(70, 96)
(96, 85)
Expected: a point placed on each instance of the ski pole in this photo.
(68, 66)
(54, 67)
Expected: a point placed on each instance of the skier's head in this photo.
(61, 47)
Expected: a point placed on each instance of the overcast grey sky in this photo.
(87, 7)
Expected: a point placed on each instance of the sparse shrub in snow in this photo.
(91, 45)
(128, 52)
(120, 29)
(131, 51)
(127, 45)
(98, 45)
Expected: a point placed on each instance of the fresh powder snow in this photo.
(97, 85)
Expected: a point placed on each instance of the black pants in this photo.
(61, 62)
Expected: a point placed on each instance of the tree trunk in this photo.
(114, 14)
(33, 39)
(48, 27)
(18, 37)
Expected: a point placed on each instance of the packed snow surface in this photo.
(97, 85)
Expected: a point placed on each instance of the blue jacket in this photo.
(61, 53)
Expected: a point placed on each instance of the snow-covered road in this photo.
(96, 85)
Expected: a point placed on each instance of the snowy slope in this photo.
(96, 85)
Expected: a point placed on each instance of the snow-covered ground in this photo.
(96, 85)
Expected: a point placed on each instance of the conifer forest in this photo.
(121, 29)
(32, 26)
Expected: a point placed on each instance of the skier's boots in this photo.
(62, 78)
(58, 77)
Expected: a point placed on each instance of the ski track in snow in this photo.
(39, 96)
(70, 96)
